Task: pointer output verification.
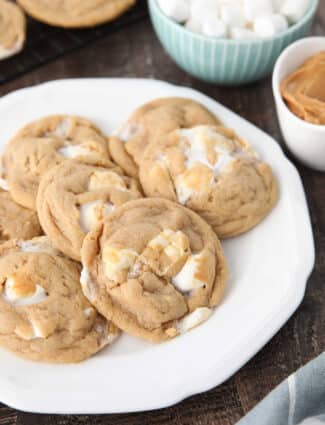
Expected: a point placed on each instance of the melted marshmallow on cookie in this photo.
(208, 153)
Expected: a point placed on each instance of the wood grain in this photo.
(136, 52)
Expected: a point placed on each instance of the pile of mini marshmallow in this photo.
(237, 19)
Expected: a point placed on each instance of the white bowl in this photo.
(305, 140)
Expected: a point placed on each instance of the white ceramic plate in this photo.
(269, 269)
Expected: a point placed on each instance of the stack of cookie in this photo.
(61, 13)
(132, 226)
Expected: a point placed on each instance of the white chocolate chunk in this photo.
(191, 276)
(232, 15)
(242, 33)
(20, 293)
(194, 319)
(214, 27)
(256, 8)
(37, 330)
(4, 185)
(37, 246)
(269, 26)
(294, 10)
(102, 179)
(73, 151)
(91, 213)
(183, 191)
(87, 285)
(178, 10)
(117, 260)
(173, 244)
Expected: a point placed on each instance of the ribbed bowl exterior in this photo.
(223, 61)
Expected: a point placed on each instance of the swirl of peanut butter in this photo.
(304, 90)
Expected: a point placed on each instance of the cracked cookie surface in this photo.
(73, 197)
(154, 268)
(44, 315)
(45, 143)
(16, 222)
(151, 121)
(213, 172)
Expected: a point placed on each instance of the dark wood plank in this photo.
(135, 52)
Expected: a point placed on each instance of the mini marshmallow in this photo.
(294, 10)
(191, 275)
(255, 8)
(214, 27)
(242, 33)
(194, 319)
(73, 151)
(232, 15)
(178, 10)
(201, 10)
(18, 292)
(268, 26)
(277, 5)
(194, 25)
(93, 212)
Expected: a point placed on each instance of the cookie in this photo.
(154, 268)
(16, 222)
(12, 29)
(44, 143)
(44, 315)
(153, 120)
(74, 197)
(213, 172)
(75, 13)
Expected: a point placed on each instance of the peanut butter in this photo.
(304, 90)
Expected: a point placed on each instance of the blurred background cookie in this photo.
(12, 29)
(75, 14)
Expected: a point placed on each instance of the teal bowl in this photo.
(225, 61)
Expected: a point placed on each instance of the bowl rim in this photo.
(153, 5)
(276, 83)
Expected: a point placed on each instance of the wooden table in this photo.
(136, 52)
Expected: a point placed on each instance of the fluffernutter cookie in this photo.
(75, 13)
(215, 173)
(44, 143)
(154, 268)
(73, 197)
(12, 29)
(44, 315)
(151, 121)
